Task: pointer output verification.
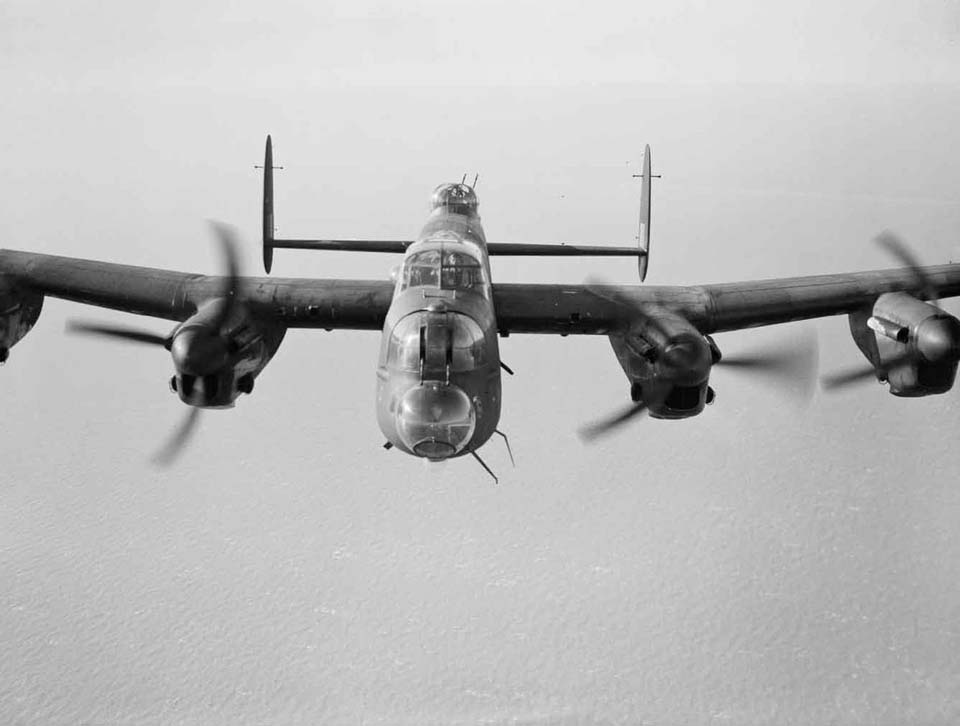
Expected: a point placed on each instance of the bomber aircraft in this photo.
(439, 368)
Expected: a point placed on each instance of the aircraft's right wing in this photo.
(170, 295)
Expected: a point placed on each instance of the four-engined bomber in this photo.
(438, 375)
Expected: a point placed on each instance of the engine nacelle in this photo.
(667, 361)
(913, 345)
(213, 369)
(19, 310)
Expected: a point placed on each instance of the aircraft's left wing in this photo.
(604, 309)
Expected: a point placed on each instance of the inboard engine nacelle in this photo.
(19, 310)
(218, 352)
(667, 361)
(913, 345)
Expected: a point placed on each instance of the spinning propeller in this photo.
(589, 433)
(794, 361)
(898, 249)
(120, 332)
(197, 349)
(936, 343)
(166, 455)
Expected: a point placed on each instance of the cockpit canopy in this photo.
(455, 198)
(444, 268)
(432, 343)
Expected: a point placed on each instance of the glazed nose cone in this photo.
(435, 420)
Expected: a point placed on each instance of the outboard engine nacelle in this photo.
(19, 310)
(913, 345)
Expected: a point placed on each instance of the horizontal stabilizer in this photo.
(508, 249)
(560, 250)
(270, 243)
(342, 245)
(493, 248)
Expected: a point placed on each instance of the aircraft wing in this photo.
(290, 302)
(520, 307)
(604, 309)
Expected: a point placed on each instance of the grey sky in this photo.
(496, 42)
(760, 563)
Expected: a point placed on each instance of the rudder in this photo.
(643, 233)
(268, 206)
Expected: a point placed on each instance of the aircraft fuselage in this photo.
(438, 375)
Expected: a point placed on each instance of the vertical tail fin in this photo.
(643, 234)
(268, 206)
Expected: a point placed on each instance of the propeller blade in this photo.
(615, 294)
(861, 373)
(845, 378)
(899, 249)
(181, 435)
(227, 238)
(593, 431)
(793, 362)
(119, 332)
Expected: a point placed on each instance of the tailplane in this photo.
(271, 243)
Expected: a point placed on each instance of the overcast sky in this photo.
(762, 563)
(242, 43)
